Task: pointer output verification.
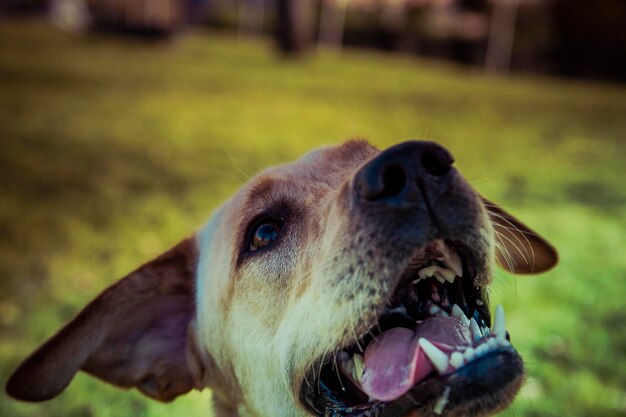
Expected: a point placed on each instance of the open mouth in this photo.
(433, 348)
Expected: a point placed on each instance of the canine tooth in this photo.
(456, 360)
(437, 357)
(458, 313)
(501, 337)
(475, 330)
(468, 355)
(479, 302)
(499, 323)
(358, 367)
(454, 263)
(427, 272)
(447, 274)
(492, 343)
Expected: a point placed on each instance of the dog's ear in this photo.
(519, 249)
(135, 334)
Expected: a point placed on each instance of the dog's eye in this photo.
(264, 235)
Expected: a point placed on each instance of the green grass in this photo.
(111, 151)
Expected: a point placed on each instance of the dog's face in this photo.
(351, 282)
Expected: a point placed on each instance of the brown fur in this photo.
(204, 314)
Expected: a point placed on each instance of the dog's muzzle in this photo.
(432, 346)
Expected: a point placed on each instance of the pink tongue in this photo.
(394, 362)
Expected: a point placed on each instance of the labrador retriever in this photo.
(352, 282)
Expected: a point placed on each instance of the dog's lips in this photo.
(430, 337)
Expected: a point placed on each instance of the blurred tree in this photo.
(294, 25)
(501, 36)
(331, 22)
(251, 16)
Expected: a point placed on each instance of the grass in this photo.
(111, 151)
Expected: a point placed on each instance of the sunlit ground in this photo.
(112, 151)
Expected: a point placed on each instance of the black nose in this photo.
(405, 174)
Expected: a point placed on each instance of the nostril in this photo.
(394, 180)
(437, 162)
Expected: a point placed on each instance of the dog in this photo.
(351, 282)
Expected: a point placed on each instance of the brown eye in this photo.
(264, 235)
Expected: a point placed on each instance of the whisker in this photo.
(515, 246)
(337, 370)
(237, 165)
(515, 228)
(505, 252)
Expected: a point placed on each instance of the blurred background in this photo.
(124, 123)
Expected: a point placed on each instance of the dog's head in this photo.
(351, 282)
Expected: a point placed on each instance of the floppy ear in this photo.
(519, 249)
(135, 334)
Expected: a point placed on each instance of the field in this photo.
(111, 151)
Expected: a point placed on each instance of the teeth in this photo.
(437, 357)
(440, 274)
(446, 274)
(499, 323)
(492, 343)
(435, 310)
(456, 360)
(357, 372)
(468, 355)
(427, 272)
(458, 314)
(475, 330)
(481, 350)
